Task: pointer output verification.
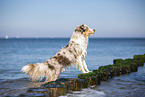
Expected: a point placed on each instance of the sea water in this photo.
(15, 53)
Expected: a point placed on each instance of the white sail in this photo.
(6, 37)
(17, 37)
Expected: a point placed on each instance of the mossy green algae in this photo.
(118, 67)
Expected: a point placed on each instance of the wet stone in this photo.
(89, 82)
(65, 81)
(77, 85)
(84, 83)
(56, 88)
(98, 81)
(94, 80)
(39, 90)
(53, 85)
(33, 95)
(73, 84)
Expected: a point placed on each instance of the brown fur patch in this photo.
(32, 66)
(70, 51)
(74, 53)
(82, 28)
(75, 50)
(63, 60)
(66, 46)
(49, 65)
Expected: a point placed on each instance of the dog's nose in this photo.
(94, 30)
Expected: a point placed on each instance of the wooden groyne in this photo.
(64, 85)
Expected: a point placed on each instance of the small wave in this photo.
(16, 86)
(86, 93)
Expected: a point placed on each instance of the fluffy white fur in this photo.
(73, 53)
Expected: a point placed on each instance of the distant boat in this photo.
(6, 37)
(17, 37)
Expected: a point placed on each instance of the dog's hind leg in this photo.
(52, 75)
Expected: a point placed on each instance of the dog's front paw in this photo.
(62, 70)
(89, 71)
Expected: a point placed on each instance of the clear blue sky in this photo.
(58, 18)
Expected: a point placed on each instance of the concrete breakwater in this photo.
(64, 85)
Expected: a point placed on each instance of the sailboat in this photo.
(6, 37)
(17, 37)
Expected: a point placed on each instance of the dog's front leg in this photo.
(79, 63)
(85, 66)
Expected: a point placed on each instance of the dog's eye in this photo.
(85, 28)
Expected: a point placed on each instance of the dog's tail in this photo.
(36, 71)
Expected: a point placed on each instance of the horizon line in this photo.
(59, 37)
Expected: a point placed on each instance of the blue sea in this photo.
(15, 53)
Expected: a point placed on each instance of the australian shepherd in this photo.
(73, 53)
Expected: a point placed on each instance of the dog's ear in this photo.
(81, 28)
(82, 25)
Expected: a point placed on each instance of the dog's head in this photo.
(85, 30)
